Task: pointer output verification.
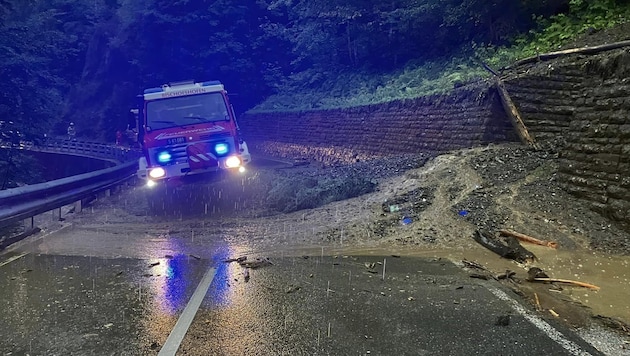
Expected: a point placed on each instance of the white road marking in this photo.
(549, 330)
(13, 259)
(183, 323)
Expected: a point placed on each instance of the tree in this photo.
(5, 8)
(38, 56)
(151, 42)
(383, 35)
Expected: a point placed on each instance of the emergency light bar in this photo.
(181, 85)
(183, 89)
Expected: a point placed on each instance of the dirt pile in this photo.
(490, 188)
(418, 200)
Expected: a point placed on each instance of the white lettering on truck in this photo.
(191, 91)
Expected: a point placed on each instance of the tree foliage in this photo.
(381, 36)
(41, 44)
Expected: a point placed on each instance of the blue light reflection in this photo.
(179, 281)
(177, 277)
(220, 286)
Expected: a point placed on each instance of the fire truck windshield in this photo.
(186, 110)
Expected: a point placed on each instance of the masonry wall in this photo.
(578, 105)
(582, 105)
(467, 118)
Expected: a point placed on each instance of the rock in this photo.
(503, 320)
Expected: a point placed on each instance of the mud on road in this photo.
(417, 205)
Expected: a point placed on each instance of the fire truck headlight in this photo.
(221, 148)
(232, 162)
(157, 173)
(164, 157)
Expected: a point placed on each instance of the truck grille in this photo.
(212, 137)
(179, 153)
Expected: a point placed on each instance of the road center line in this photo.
(12, 259)
(538, 322)
(183, 323)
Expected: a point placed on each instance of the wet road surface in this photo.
(297, 305)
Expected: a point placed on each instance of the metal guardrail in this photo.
(25, 202)
(84, 148)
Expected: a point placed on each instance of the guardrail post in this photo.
(29, 221)
(78, 206)
(57, 214)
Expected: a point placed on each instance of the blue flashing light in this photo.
(153, 90)
(221, 148)
(164, 157)
(210, 82)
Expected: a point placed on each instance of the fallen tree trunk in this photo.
(581, 50)
(513, 115)
(504, 246)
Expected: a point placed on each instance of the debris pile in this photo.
(249, 264)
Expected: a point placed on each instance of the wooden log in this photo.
(538, 306)
(513, 115)
(528, 238)
(504, 246)
(487, 67)
(581, 50)
(568, 281)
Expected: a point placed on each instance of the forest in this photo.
(84, 61)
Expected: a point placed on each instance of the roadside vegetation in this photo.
(84, 61)
(440, 75)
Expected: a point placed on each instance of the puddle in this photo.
(610, 273)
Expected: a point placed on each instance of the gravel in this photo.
(515, 187)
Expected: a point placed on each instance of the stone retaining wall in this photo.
(583, 104)
(468, 117)
(579, 105)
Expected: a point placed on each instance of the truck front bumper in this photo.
(156, 174)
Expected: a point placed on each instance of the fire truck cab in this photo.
(188, 128)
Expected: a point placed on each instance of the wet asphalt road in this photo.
(81, 293)
(301, 305)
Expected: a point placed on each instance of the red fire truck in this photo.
(187, 128)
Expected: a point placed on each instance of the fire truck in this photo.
(188, 128)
